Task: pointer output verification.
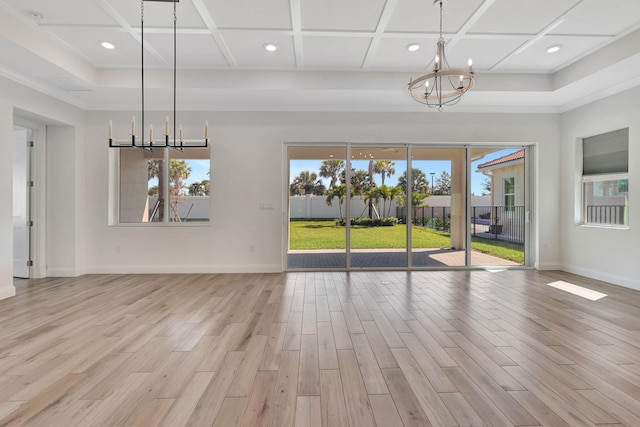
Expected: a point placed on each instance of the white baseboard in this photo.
(7, 292)
(39, 272)
(549, 267)
(185, 269)
(605, 277)
(63, 272)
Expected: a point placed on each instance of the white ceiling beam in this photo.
(557, 22)
(213, 29)
(385, 17)
(470, 22)
(296, 31)
(129, 29)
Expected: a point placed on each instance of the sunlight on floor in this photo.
(578, 290)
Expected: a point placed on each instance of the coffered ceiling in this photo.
(332, 55)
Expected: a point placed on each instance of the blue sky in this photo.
(427, 166)
(199, 170)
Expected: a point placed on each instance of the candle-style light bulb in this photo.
(151, 134)
(437, 59)
(206, 129)
(110, 129)
(166, 126)
(470, 63)
(181, 133)
(133, 126)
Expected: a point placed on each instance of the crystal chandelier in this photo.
(168, 140)
(443, 86)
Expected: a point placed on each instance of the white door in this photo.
(21, 229)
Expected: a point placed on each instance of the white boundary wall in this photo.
(315, 207)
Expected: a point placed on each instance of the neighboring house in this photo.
(507, 198)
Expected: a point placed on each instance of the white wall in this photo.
(607, 254)
(315, 207)
(6, 207)
(248, 170)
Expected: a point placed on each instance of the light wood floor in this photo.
(450, 348)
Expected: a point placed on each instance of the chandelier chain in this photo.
(440, 18)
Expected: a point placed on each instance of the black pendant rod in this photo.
(175, 20)
(142, 66)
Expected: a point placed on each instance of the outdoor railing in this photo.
(605, 214)
(504, 223)
(437, 218)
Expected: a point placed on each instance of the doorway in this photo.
(499, 206)
(22, 183)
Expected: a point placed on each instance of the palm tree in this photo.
(384, 192)
(331, 169)
(419, 182)
(196, 189)
(338, 192)
(359, 180)
(371, 185)
(206, 186)
(306, 183)
(385, 168)
(394, 193)
(179, 170)
(372, 196)
(156, 170)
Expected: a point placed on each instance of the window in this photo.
(605, 179)
(509, 194)
(163, 186)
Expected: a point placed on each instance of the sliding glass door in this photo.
(378, 236)
(438, 177)
(317, 208)
(358, 206)
(498, 206)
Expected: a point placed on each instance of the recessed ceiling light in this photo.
(412, 47)
(270, 47)
(554, 48)
(34, 15)
(107, 45)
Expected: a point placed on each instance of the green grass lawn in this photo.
(324, 234)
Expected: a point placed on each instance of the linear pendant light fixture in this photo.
(176, 143)
(443, 86)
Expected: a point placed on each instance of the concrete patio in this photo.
(388, 258)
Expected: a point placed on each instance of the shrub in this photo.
(369, 222)
(442, 223)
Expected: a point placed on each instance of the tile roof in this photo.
(504, 159)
